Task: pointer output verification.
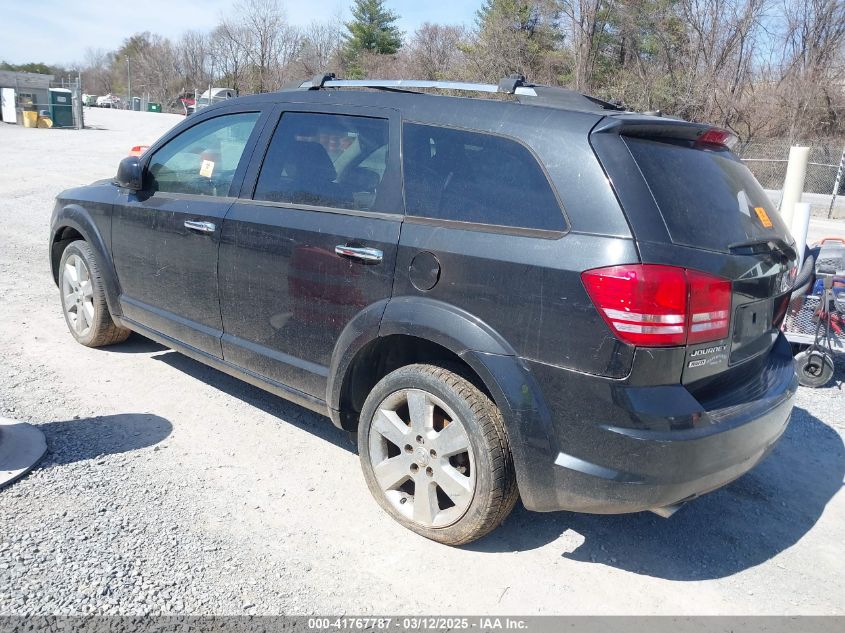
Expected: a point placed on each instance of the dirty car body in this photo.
(529, 242)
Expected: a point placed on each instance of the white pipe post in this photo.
(793, 184)
(799, 228)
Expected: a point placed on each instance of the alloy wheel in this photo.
(78, 295)
(422, 458)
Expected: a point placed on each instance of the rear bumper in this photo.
(616, 448)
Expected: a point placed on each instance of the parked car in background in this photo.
(89, 100)
(214, 95)
(207, 98)
(187, 104)
(546, 297)
(109, 101)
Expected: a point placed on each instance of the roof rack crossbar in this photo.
(510, 83)
(318, 81)
(402, 84)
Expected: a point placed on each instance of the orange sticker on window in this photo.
(764, 217)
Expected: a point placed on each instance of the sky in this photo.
(59, 31)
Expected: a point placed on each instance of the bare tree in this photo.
(156, 69)
(255, 48)
(195, 60)
(228, 51)
(434, 51)
(262, 24)
(587, 29)
(97, 72)
(287, 54)
(810, 83)
(722, 37)
(321, 44)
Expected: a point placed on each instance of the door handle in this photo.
(365, 254)
(201, 227)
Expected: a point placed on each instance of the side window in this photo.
(327, 160)
(202, 160)
(475, 177)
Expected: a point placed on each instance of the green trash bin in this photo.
(61, 107)
(153, 107)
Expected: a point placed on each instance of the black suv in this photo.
(536, 294)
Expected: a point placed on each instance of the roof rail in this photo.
(328, 81)
(514, 84)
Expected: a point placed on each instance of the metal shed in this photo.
(31, 91)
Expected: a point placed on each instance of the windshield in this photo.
(707, 197)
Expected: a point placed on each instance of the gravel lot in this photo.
(172, 488)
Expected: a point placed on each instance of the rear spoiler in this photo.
(657, 127)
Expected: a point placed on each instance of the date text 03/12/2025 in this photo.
(422, 623)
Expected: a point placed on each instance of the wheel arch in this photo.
(379, 357)
(403, 329)
(72, 223)
(424, 330)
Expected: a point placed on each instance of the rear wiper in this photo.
(766, 245)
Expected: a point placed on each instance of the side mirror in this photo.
(129, 174)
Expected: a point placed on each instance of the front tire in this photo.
(435, 454)
(84, 300)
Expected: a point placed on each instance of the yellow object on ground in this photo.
(45, 121)
(30, 119)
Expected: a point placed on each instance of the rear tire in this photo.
(84, 300)
(452, 486)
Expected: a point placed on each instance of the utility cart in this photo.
(815, 319)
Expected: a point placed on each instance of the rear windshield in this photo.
(707, 197)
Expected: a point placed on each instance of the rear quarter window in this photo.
(707, 197)
(476, 177)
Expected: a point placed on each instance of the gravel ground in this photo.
(172, 488)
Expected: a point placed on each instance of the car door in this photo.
(166, 236)
(311, 242)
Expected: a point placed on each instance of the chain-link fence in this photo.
(767, 161)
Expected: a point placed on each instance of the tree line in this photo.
(761, 68)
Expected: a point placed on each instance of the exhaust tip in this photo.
(667, 511)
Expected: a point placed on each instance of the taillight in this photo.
(717, 136)
(709, 307)
(660, 306)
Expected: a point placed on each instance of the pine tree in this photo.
(517, 36)
(372, 29)
(519, 15)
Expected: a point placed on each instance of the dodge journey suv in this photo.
(534, 295)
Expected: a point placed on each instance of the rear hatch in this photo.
(692, 204)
